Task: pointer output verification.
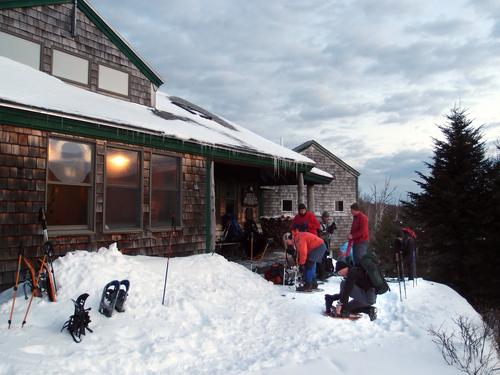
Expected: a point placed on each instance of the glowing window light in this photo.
(119, 161)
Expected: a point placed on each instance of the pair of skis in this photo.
(113, 297)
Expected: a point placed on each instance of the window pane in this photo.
(20, 50)
(113, 80)
(122, 207)
(165, 206)
(122, 167)
(69, 162)
(68, 205)
(123, 189)
(70, 67)
(287, 205)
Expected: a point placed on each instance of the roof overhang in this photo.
(13, 114)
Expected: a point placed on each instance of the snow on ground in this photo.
(219, 318)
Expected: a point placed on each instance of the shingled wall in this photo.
(50, 26)
(23, 162)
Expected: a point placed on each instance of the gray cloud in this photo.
(329, 70)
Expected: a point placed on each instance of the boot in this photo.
(307, 287)
(372, 313)
(328, 303)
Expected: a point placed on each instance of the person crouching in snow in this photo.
(310, 250)
(357, 285)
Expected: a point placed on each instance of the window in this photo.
(70, 67)
(123, 189)
(113, 80)
(165, 191)
(20, 50)
(286, 205)
(339, 205)
(69, 184)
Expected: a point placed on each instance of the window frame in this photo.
(180, 191)
(140, 158)
(282, 208)
(337, 204)
(68, 79)
(74, 229)
(105, 91)
(14, 34)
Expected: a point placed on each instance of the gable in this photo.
(309, 145)
(99, 23)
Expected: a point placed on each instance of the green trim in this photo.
(208, 216)
(119, 42)
(60, 124)
(7, 4)
(311, 178)
(101, 24)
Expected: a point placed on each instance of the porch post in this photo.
(310, 198)
(209, 206)
(300, 189)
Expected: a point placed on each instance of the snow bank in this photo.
(219, 318)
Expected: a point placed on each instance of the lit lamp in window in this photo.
(118, 162)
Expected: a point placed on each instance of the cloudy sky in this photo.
(369, 80)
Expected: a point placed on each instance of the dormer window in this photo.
(70, 67)
(113, 81)
(20, 50)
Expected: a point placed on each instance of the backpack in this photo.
(370, 263)
(275, 273)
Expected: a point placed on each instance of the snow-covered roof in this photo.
(320, 172)
(24, 87)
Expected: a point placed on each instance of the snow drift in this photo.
(219, 318)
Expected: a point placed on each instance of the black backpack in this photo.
(370, 264)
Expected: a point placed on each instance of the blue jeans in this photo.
(313, 258)
(359, 250)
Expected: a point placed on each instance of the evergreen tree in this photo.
(452, 208)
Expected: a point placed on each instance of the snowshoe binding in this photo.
(122, 295)
(79, 321)
(109, 298)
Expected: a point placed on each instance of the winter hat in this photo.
(287, 236)
(340, 265)
(302, 206)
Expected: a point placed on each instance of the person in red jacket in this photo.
(310, 250)
(305, 221)
(359, 235)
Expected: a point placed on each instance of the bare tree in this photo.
(469, 347)
(380, 200)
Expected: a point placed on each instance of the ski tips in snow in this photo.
(113, 297)
(79, 321)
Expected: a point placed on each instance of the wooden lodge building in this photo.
(86, 135)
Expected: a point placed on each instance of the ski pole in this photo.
(168, 261)
(47, 246)
(42, 266)
(402, 270)
(399, 276)
(19, 259)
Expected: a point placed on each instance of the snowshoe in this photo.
(333, 314)
(372, 313)
(79, 321)
(109, 297)
(122, 295)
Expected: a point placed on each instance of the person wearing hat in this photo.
(357, 285)
(310, 250)
(326, 228)
(305, 221)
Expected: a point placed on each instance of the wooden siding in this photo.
(51, 27)
(23, 161)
